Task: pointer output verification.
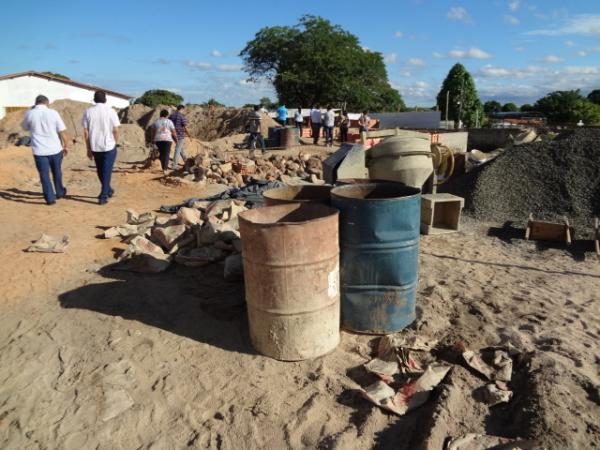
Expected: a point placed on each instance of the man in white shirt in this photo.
(315, 123)
(49, 144)
(328, 124)
(101, 132)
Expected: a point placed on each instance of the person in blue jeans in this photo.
(180, 122)
(49, 144)
(163, 134)
(101, 132)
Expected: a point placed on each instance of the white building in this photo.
(19, 90)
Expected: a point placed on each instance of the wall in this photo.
(455, 140)
(423, 120)
(22, 91)
(488, 139)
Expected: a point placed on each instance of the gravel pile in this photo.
(549, 179)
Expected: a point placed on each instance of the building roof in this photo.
(90, 87)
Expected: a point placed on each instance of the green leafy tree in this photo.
(157, 97)
(213, 102)
(56, 75)
(315, 62)
(464, 101)
(267, 103)
(594, 96)
(492, 106)
(568, 107)
(510, 107)
(527, 107)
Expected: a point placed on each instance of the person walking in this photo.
(344, 126)
(49, 145)
(180, 122)
(163, 134)
(282, 114)
(363, 122)
(254, 128)
(328, 124)
(315, 123)
(299, 121)
(101, 133)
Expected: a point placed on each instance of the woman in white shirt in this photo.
(163, 135)
(299, 120)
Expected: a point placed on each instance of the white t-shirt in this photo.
(329, 119)
(315, 116)
(163, 127)
(298, 117)
(44, 124)
(100, 120)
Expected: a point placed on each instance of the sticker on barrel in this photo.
(333, 280)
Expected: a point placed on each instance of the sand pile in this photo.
(549, 179)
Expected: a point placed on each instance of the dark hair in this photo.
(164, 113)
(256, 107)
(344, 113)
(41, 100)
(180, 107)
(100, 97)
(365, 112)
(299, 109)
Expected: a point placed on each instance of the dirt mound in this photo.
(549, 179)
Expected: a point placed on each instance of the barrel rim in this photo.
(316, 187)
(338, 192)
(331, 213)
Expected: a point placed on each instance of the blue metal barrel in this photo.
(379, 261)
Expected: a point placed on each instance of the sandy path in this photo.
(92, 358)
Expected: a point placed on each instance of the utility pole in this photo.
(460, 105)
(447, 105)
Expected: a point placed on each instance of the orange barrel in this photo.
(289, 137)
(291, 277)
(305, 193)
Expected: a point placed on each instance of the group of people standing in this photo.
(165, 131)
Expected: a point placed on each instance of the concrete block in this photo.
(440, 213)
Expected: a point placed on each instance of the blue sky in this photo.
(517, 50)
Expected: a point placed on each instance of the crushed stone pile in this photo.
(215, 166)
(551, 179)
(205, 233)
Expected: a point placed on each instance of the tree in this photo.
(527, 107)
(510, 107)
(568, 107)
(56, 75)
(464, 101)
(157, 97)
(594, 96)
(215, 103)
(492, 106)
(267, 103)
(315, 62)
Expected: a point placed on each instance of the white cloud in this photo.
(570, 43)
(405, 73)
(229, 67)
(472, 53)
(582, 53)
(416, 62)
(216, 53)
(552, 59)
(519, 49)
(459, 13)
(512, 20)
(391, 58)
(437, 55)
(513, 5)
(584, 24)
(198, 65)
(398, 34)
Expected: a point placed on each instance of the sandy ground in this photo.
(92, 358)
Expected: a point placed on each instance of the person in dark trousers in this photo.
(299, 121)
(163, 135)
(344, 126)
(49, 145)
(328, 120)
(315, 123)
(363, 122)
(254, 120)
(180, 122)
(101, 133)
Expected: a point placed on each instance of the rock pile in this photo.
(550, 179)
(196, 236)
(214, 166)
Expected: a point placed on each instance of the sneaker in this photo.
(63, 195)
(110, 193)
(51, 203)
(102, 201)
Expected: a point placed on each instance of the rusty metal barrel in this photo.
(305, 193)
(379, 240)
(291, 276)
(289, 137)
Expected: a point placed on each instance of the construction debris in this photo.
(195, 236)
(473, 441)
(49, 244)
